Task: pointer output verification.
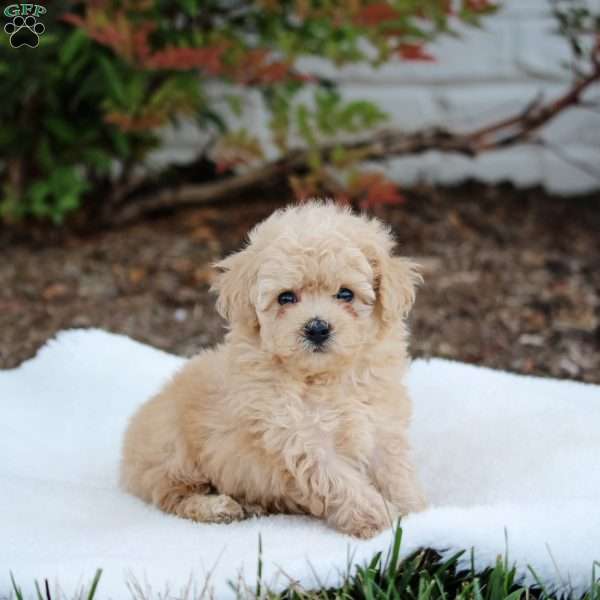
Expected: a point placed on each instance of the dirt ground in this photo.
(512, 278)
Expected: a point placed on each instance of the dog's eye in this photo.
(287, 298)
(345, 294)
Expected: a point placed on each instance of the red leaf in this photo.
(223, 167)
(207, 59)
(140, 40)
(73, 19)
(414, 52)
(373, 189)
(480, 5)
(375, 14)
(272, 73)
(304, 188)
(134, 123)
(257, 68)
(114, 30)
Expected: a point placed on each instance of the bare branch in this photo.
(379, 146)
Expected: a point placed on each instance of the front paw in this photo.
(362, 521)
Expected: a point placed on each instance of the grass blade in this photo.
(15, 587)
(259, 568)
(38, 591)
(392, 567)
(94, 586)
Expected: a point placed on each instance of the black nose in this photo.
(317, 331)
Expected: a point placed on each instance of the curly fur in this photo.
(264, 424)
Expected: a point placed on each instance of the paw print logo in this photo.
(24, 31)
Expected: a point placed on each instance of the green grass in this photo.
(424, 575)
(46, 595)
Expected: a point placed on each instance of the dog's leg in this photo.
(339, 492)
(394, 476)
(362, 515)
(159, 467)
(189, 502)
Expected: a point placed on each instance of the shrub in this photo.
(81, 111)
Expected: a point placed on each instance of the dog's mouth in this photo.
(317, 347)
(320, 349)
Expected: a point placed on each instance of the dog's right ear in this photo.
(235, 284)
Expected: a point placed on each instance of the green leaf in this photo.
(61, 129)
(121, 143)
(38, 195)
(44, 154)
(304, 126)
(235, 103)
(314, 159)
(191, 7)
(97, 158)
(74, 43)
(135, 91)
(113, 81)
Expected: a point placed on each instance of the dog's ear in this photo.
(396, 282)
(234, 283)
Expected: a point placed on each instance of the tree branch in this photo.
(379, 146)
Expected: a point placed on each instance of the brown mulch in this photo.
(512, 278)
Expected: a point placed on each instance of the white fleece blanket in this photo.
(503, 458)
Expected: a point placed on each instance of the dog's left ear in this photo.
(234, 284)
(397, 279)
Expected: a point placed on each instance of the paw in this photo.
(226, 510)
(211, 509)
(363, 522)
(366, 526)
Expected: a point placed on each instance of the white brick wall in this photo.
(485, 74)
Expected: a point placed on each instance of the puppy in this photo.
(302, 409)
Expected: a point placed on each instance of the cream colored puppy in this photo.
(302, 409)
